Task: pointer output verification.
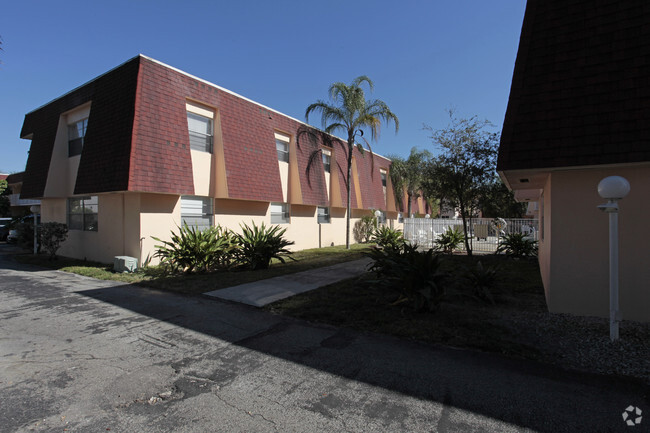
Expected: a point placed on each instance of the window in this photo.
(196, 212)
(383, 177)
(323, 215)
(282, 147)
(381, 218)
(327, 161)
(82, 213)
(279, 213)
(76, 134)
(200, 128)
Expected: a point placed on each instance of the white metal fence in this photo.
(484, 233)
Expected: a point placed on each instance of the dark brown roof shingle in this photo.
(580, 91)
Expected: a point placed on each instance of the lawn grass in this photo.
(461, 320)
(155, 277)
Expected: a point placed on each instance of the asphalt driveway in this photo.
(83, 355)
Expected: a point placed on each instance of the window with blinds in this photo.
(197, 211)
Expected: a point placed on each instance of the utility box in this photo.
(125, 264)
(481, 231)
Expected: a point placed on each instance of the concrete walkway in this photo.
(263, 292)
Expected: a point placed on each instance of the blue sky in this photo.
(423, 56)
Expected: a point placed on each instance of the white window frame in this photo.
(200, 140)
(327, 161)
(76, 134)
(282, 146)
(384, 177)
(280, 213)
(197, 211)
(88, 209)
(323, 215)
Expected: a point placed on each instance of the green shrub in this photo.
(449, 241)
(387, 237)
(414, 274)
(193, 250)
(517, 245)
(363, 229)
(52, 235)
(258, 245)
(482, 281)
(25, 231)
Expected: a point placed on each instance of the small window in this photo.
(327, 162)
(82, 213)
(323, 215)
(280, 213)
(196, 212)
(283, 149)
(383, 178)
(200, 129)
(381, 218)
(76, 134)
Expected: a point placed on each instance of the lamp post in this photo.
(35, 209)
(613, 188)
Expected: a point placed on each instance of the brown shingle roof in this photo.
(15, 178)
(104, 163)
(580, 91)
(137, 140)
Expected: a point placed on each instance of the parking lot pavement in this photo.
(88, 355)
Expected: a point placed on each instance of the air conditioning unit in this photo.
(125, 264)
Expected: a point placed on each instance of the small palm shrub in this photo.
(483, 281)
(448, 241)
(194, 250)
(258, 245)
(363, 228)
(386, 237)
(415, 275)
(517, 245)
(52, 235)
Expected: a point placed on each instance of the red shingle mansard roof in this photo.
(137, 139)
(581, 86)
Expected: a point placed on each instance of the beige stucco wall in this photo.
(201, 172)
(544, 241)
(303, 229)
(62, 173)
(284, 179)
(159, 215)
(574, 253)
(108, 241)
(127, 222)
(232, 213)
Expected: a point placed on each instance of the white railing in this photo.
(484, 233)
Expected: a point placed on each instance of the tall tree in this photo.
(408, 174)
(349, 112)
(4, 199)
(498, 201)
(465, 165)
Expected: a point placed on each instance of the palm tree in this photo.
(351, 113)
(408, 174)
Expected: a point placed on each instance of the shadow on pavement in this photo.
(525, 394)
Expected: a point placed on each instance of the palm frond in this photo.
(333, 127)
(312, 162)
(361, 79)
